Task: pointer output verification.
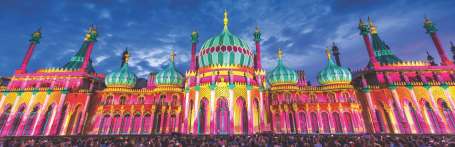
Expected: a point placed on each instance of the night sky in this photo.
(150, 29)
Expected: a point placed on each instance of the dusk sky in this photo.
(150, 29)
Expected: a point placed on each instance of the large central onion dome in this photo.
(225, 49)
(281, 74)
(170, 75)
(123, 77)
(334, 74)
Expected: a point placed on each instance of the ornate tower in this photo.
(432, 30)
(336, 54)
(257, 41)
(194, 40)
(81, 61)
(364, 31)
(36, 36)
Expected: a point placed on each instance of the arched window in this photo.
(122, 100)
(325, 122)
(115, 124)
(314, 122)
(162, 99)
(433, 118)
(30, 121)
(104, 124)
(349, 125)
(4, 116)
(17, 120)
(337, 120)
(61, 119)
(414, 116)
(346, 97)
(380, 121)
(222, 116)
(108, 100)
(136, 123)
(277, 123)
(45, 120)
(174, 100)
(125, 124)
(448, 115)
(303, 125)
(146, 124)
(332, 98)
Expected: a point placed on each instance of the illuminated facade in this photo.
(226, 91)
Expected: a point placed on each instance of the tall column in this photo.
(212, 111)
(2, 101)
(36, 36)
(90, 38)
(40, 111)
(196, 108)
(186, 113)
(257, 41)
(194, 40)
(261, 111)
(249, 110)
(431, 29)
(364, 31)
(82, 123)
(231, 109)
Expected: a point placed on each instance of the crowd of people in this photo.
(263, 140)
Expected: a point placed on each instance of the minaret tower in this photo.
(336, 54)
(125, 57)
(257, 41)
(90, 38)
(364, 31)
(432, 30)
(36, 36)
(194, 40)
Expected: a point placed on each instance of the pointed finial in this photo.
(257, 29)
(280, 53)
(125, 56)
(373, 29)
(172, 56)
(226, 20)
(194, 36)
(36, 36)
(257, 34)
(91, 34)
(364, 30)
(327, 52)
(429, 26)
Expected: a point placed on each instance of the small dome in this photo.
(334, 74)
(225, 49)
(281, 74)
(170, 75)
(123, 77)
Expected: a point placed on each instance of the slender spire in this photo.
(327, 52)
(194, 36)
(336, 53)
(172, 55)
(280, 54)
(226, 20)
(36, 36)
(430, 59)
(364, 29)
(373, 29)
(125, 56)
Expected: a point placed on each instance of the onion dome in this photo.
(170, 75)
(123, 77)
(281, 74)
(225, 49)
(334, 74)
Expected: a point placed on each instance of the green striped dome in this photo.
(225, 49)
(281, 74)
(169, 76)
(334, 74)
(122, 78)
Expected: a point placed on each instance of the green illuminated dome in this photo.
(123, 77)
(225, 49)
(281, 74)
(170, 75)
(334, 74)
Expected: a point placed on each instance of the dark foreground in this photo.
(266, 140)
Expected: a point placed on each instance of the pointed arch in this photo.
(61, 119)
(314, 122)
(125, 124)
(337, 121)
(17, 120)
(432, 117)
(72, 121)
(146, 123)
(349, 124)
(303, 122)
(243, 115)
(202, 116)
(46, 119)
(325, 122)
(256, 114)
(415, 118)
(222, 116)
(4, 116)
(31, 120)
(448, 113)
(136, 123)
